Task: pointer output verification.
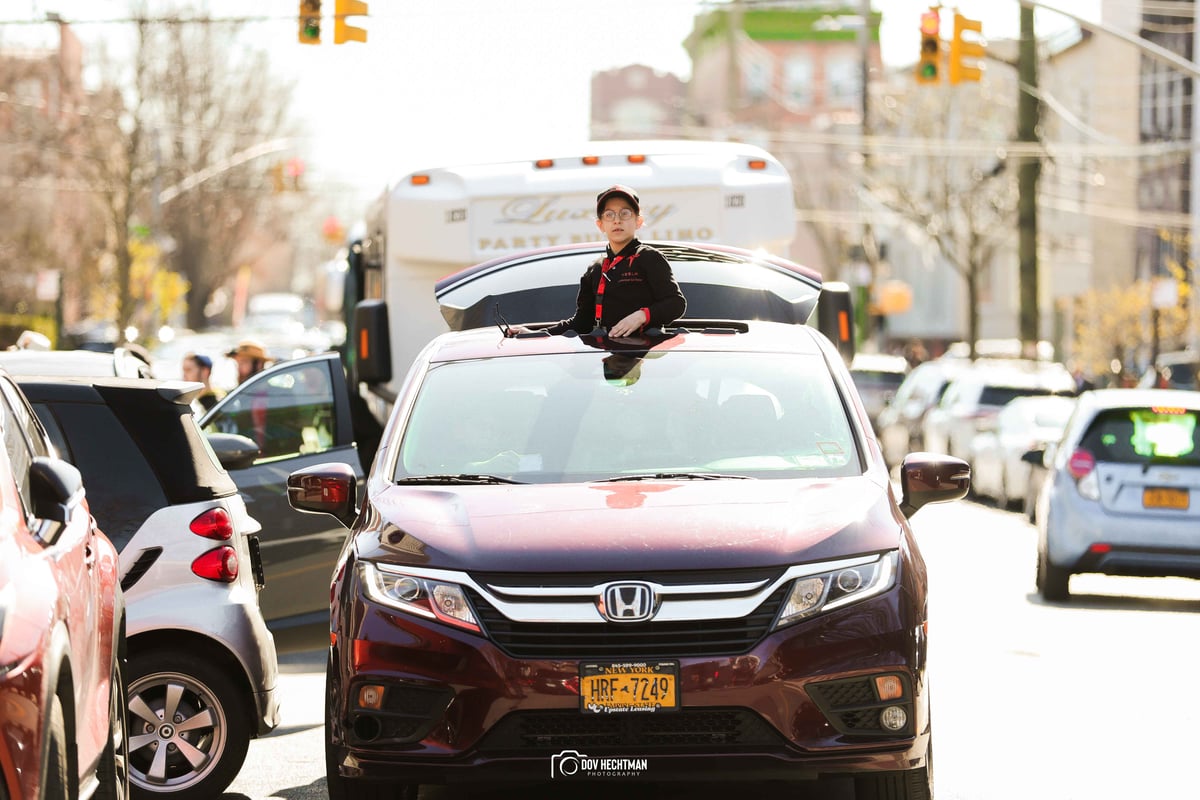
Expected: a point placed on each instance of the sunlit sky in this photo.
(458, 80)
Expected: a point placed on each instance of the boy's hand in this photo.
(628, 326)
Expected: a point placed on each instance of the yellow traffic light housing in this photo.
(310, 22)
(972, 50)
(342, 32)
(929, 64)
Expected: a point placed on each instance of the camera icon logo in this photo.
(566, 763)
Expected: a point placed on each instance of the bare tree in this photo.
(188, 105)
(965, 205)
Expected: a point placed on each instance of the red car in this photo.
(62, 720)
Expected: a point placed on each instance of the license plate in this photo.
(1162, 497)
(643, 686)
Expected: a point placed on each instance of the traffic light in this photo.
(343, 32)
(966, 48)
(929, 66)
(310, 22)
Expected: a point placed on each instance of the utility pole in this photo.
(1028, 118)
(733, 89)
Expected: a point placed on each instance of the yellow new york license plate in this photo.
(1164, 497)
(630, 686)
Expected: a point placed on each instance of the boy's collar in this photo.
(633, 243)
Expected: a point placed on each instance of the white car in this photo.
(976, 395)
(997, 467)
(877, 377)
(1122, 496)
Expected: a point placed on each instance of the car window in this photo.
(1001, 395)
(19, 454)
(288, 413)
(580, 417)
(1140, 435)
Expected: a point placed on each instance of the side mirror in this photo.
(233, 450)
(931, 478)
(372, 343)
(57, 490)
(325, 489)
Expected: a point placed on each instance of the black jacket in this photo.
(638, 277)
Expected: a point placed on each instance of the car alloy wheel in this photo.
(188, 732)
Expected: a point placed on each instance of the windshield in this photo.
(597, 416)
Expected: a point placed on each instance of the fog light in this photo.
(370, 696)
(889, 687)
(893, 718)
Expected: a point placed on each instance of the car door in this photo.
(72, 551)
(298, 413)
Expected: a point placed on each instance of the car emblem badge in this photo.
(627, 602)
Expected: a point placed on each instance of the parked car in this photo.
(977, 393)
(900, 422)
(687, 550)
(998, 467)
(877, 377)
(1122, 496)
(62, 618)
(1176, 369)
(202, 664)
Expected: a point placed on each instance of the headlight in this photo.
(424, 597)
(824, 591)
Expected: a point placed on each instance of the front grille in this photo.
(692, 728)
(852, 705)
(623, 640)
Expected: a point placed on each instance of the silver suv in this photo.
(202, 666)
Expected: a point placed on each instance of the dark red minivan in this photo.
(673, 557)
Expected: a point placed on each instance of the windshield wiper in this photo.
(675, 476)
(456, 479)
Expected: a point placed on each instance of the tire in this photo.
(113, 769)
(341, 788)
(1053, 582)
(208, 721)
(913, 784)
(57, 783)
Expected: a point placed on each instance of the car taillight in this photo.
(1081, 463)
(213, 524)
(1082, 466)
(218, 564)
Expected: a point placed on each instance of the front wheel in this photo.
(57, 784)
(188, 728)
(113, 770)
(913, 784)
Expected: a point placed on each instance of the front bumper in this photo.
(797, 706)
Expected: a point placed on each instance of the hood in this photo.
(616, 526)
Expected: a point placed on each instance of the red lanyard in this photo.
(604, 268)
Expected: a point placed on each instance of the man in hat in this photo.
(632, 286)
(251, 358)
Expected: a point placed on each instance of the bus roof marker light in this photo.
(544, 163)
(419, 180)
(636, 158)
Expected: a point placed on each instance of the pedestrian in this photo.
(251, 358)
(198, 367)
(631, 287)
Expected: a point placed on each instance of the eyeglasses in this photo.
(625, 214)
